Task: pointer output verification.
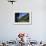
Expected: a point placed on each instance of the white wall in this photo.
(9, 31)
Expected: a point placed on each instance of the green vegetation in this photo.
(24, 19)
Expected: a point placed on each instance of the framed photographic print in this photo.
(23, 12)
(23, 18)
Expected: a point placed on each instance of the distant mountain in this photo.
(24, 19)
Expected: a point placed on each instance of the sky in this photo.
(22, 14)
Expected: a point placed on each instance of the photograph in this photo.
(21, 17)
